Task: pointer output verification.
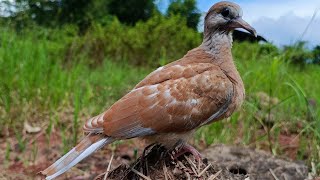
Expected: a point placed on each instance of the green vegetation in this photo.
(80, 13)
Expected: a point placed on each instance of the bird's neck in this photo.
(217, 44)
(219, 47)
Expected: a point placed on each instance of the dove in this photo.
(173, 101)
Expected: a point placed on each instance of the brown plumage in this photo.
(173, 101)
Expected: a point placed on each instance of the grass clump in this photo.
(35, 82)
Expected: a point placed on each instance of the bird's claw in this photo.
(186, 148)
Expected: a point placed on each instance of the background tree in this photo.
(53, 13)
(132, 11)
(83, 12)
(316, 54)
(297, 54)
(187, 9)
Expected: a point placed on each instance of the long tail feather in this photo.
(87, 146)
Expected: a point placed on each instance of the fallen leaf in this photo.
(30, 129)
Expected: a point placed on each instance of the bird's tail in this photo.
(87, 146)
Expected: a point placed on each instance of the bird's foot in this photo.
(186, 148)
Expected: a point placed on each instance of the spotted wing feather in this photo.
(179, 102)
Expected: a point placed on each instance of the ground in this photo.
(220, 162)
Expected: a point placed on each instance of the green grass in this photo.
(37, 86)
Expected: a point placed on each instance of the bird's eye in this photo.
(225, 12)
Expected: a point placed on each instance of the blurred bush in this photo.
(316, 55)
(151, 43)
(297, 54)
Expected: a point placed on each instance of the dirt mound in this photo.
(159, 164)
(222, 162)
(255, 164)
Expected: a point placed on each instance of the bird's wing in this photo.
(175, 99)
(180, 69)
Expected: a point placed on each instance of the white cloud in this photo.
(288, 29)
(253, 10)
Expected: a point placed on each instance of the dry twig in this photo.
(193, 167)
(109, 167)
(273, 174)
(203, 171)
(165, 171)
(140, 174)
(212, 177)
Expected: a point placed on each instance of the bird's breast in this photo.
(238, 96)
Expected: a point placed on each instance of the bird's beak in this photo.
(240, 23)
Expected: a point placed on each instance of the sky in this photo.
(281, 22)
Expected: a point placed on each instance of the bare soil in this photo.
(256, 164)
(221, 162)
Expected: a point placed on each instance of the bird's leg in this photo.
(186, 148)
(143, 157)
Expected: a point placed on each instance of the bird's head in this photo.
(224, 17)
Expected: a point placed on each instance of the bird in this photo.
(173, 101)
